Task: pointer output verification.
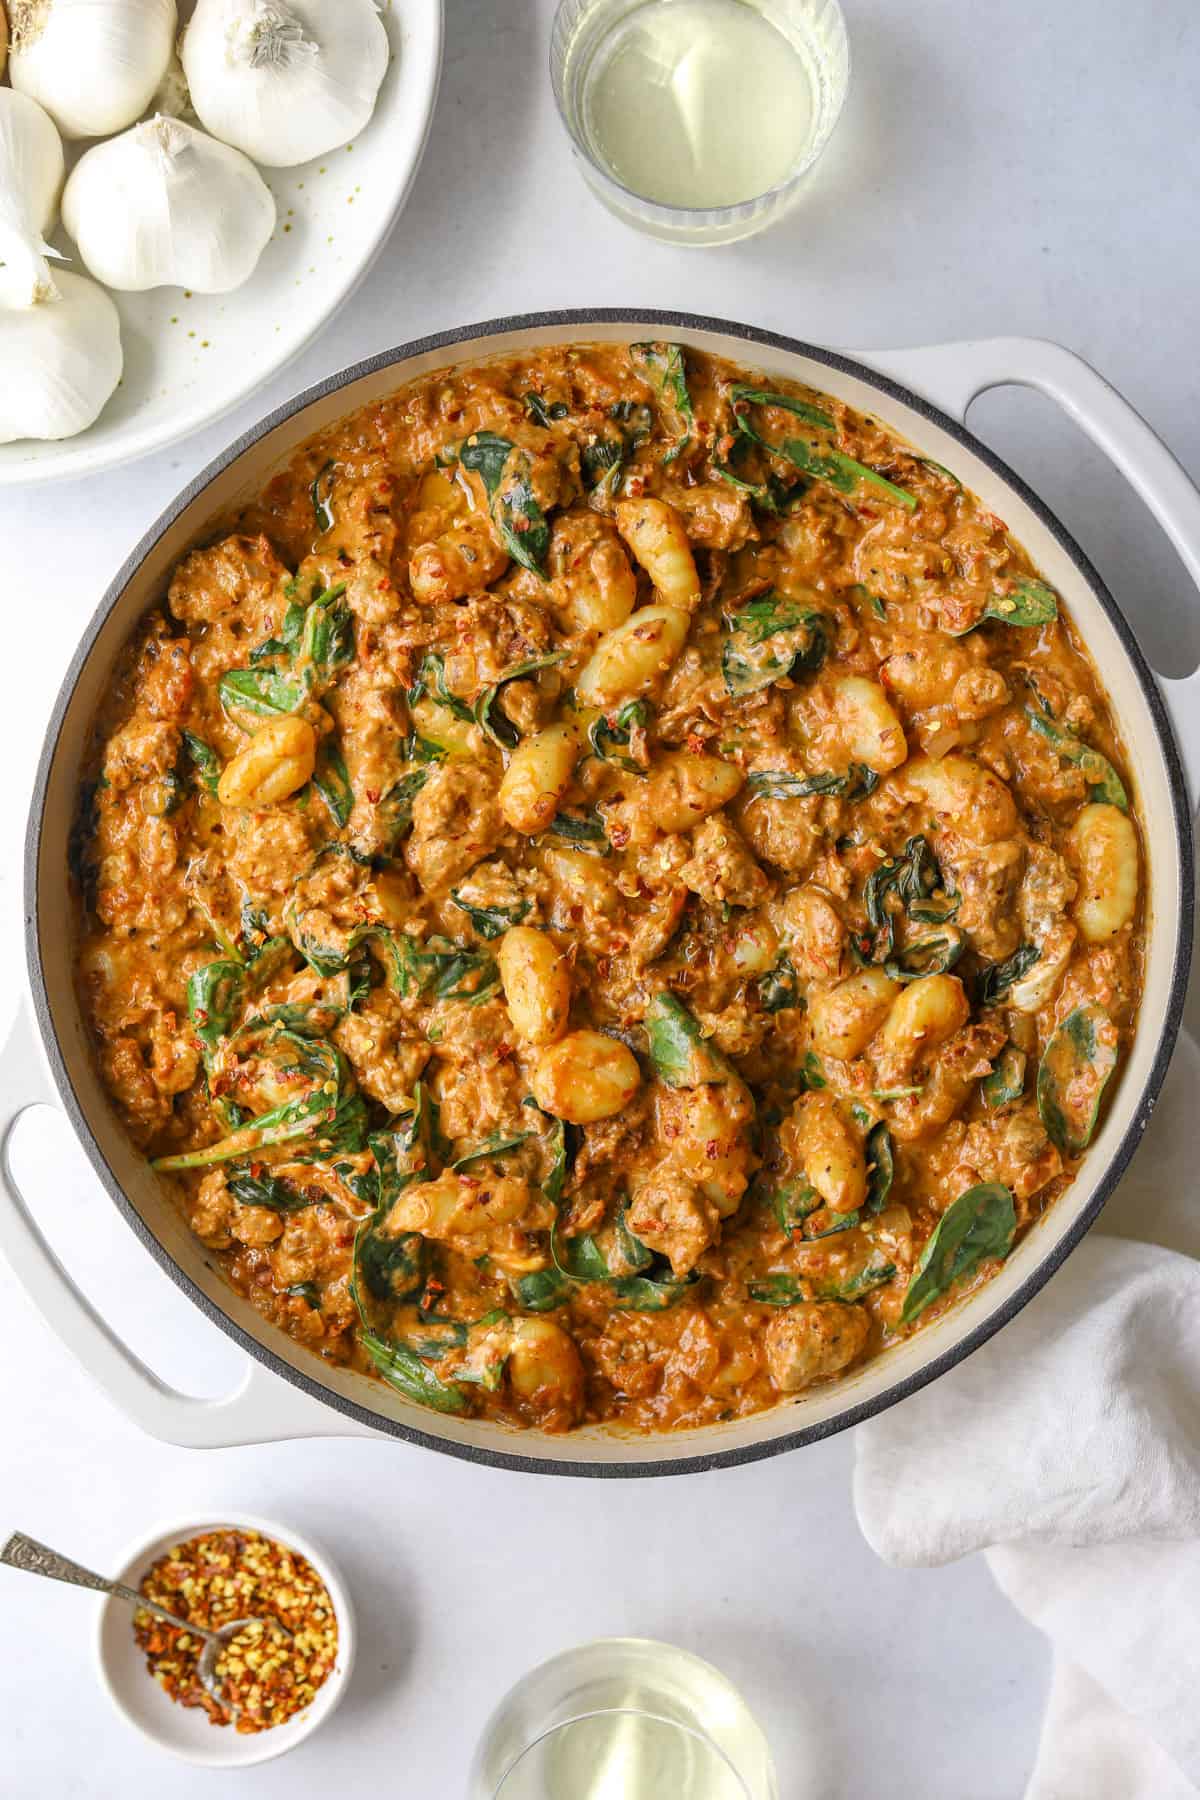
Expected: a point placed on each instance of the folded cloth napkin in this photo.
(1068, 1450)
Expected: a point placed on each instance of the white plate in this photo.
(185, 1730)
(187, 361)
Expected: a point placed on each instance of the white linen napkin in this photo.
(1068, 1450)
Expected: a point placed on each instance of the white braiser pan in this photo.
(287, 1392)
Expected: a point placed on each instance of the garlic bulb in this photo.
(31, 175)
(284, 80)
(59, 362)
(93, 64)
(166, 205)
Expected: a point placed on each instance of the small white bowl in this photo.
(185, 1730)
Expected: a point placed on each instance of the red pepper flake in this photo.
(267, 1673)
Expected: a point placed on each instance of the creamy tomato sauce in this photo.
(610, 892)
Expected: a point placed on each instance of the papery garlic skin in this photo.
(285, 80)
(165, 205)
(93, 64)
(31, 178)
(59, 362)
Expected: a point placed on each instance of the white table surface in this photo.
(1000, 168)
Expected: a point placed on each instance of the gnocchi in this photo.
(962, 793)
(656, 534)
(585, 1077)
(629, 659)
(537, 985)
(844, 1019)
(1106, 852)
(538, 775)
(278, 760)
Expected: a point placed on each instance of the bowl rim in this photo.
(263, 1746)
(1168, 1027)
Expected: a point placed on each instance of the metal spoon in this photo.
(26, 1553)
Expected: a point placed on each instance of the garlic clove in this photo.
(31, 177)
(93, 64)
(284, 80)
(59, 362)
(166, 205)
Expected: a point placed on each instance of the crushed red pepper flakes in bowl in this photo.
(266, 1674)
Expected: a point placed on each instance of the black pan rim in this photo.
(852, 1415)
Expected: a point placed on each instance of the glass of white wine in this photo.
(697, 120)
(623, 1719)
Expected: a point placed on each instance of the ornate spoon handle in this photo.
(26, 1553)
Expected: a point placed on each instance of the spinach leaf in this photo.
(390, 1269)
(1104, 784)
(1007, 1079)
(495, 1145)
(634, 1256)
(578, 1258)
(865, 598)
(620, 737)
(286, 1124)
(395, 810)
(466, 975)
(263, 693)
(650, 1293)
(874, 1272)
(778, 989)
(662, 367)
(978, 1226)
(994, 981)
(542, 1291)
(204, 761)
(506, 473)
(857, 783)
(491, 921)
(585, 830)
(881, 1167)
(823, 1222)
(1031, 603)
(488, 716)
(914, 877)
(214, 994)
(267, 1190)
(808, 455)
(602, 462)
(793, 1202)
(682, 1057)
(931, 954)
(1075, 1069)
(770, 496)
(771, 637)
(779, 1290)
(333, 783)
(321, 495)
(431, 680)
(405, 1371)
(540, 413)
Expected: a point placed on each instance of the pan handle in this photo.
(262, 1409)
(952, 375)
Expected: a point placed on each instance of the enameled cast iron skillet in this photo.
(921, 395)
